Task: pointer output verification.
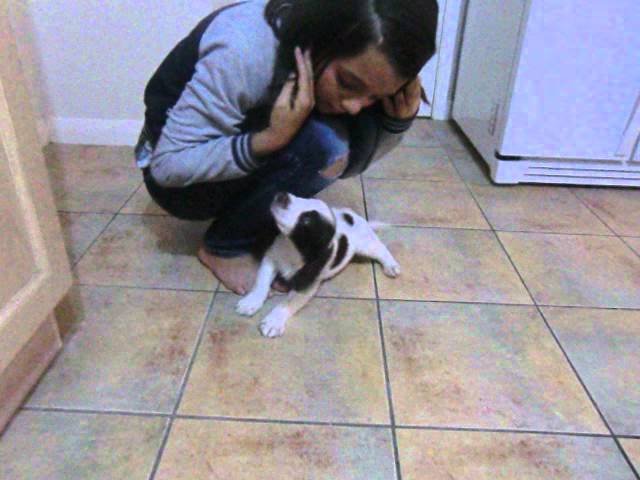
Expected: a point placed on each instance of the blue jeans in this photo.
(243, 222)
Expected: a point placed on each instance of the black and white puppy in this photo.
(315, 243)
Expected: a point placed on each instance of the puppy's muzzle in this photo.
(281, 200)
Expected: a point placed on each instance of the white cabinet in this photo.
(550, 91)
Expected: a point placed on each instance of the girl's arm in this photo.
(203, 139)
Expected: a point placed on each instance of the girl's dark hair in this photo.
(403, 30)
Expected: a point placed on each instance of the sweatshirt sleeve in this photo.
(201, 140)
(391, 132)
(373, 134)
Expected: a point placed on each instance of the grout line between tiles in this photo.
(80, 257)
(386, 299)
(573, 368)
(633, 250)
(557, 340)
(183, 386)
(593, 401)
(142, 287)
(621, 237)
(492, 229)
(133, 194)
(88, 411)
(586, 205)
(397, 225)
(503, 430)
(216, 418)
(137, 214)
(115, 215)
(84, 212)
(318, 423)
(394, 439)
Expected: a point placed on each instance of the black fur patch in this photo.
(343, 244)
(348, 218)
(307, 275)
(312, 237)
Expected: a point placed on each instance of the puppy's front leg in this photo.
(253, 301)
(274, 323)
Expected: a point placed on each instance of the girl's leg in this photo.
(200, 201)
(309, 164)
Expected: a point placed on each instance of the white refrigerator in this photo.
(548, 91)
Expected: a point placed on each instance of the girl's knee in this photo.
(335, 168)
(321, 142)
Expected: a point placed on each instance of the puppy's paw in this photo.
(391, 269)
(249, 304)
(273, 324)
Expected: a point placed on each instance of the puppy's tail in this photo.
(378, 225)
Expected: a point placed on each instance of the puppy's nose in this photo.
(281, 199)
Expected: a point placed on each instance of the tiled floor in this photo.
(507, 349)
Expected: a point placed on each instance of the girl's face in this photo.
(350, 84)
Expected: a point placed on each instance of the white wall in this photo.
(97, 56)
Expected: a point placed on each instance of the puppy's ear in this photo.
(308, 274)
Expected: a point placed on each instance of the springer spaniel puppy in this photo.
(315, 243)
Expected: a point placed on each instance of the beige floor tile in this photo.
(326, 367)
(80, 230)
(355, 281)
(470, 165)
(432, 204)
(430, 455)
(632, 447)
(142, 203)
(537, 209)
(603, 346)
(96, 179)
(147, 251)
(448, 134)
(484, 366)
(576, 270)
(617, 207)
(420, 135)
(345, 193)
(64, 446)
(248, 451)
(449, 265)
(412, 163)
(634, 243)
(125, 349)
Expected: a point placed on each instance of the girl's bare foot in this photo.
(236, 273)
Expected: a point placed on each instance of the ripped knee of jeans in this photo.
(336, 168)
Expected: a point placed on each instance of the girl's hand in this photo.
(404, 104)
(295, 102)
